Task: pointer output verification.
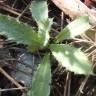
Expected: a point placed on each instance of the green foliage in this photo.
(68, 56)
(72, 58)
(42, 79)
(73, 29)
(39, 11)
(19, 32)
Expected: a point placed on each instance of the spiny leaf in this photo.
(74, 28)
(39, 9)
(42, 79)
(19, 32)
(44, 30)
(71, 58)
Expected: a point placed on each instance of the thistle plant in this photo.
(68, 56)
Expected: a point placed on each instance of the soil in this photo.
(64, 83)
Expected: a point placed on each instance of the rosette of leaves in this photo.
(73, 59)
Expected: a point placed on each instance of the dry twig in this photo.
(10, 78)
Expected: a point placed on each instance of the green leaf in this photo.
(44, 30)
(19, 32)
(74, 28)
(39, 9)
(42, 79)
(71, 58)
